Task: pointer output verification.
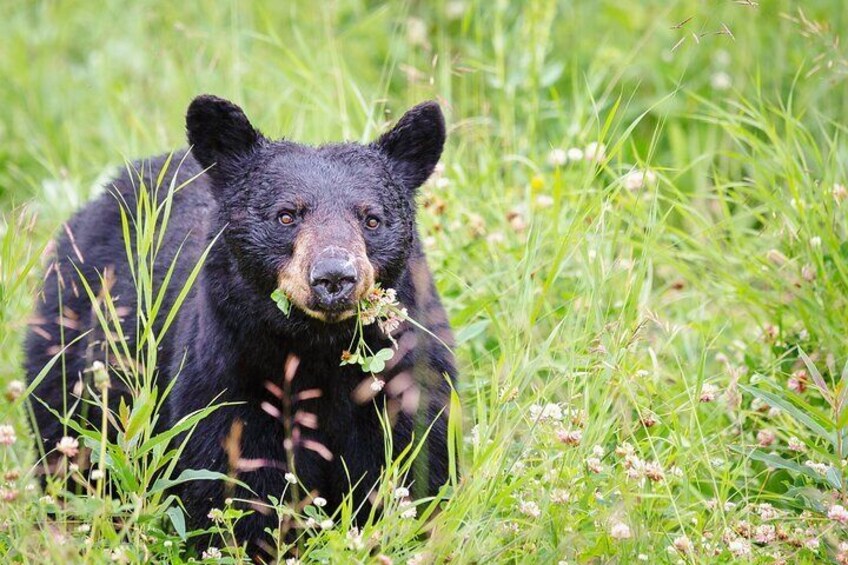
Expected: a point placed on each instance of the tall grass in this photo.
(646, 359)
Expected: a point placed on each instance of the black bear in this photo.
(325, 226)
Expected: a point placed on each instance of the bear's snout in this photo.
(333, 278)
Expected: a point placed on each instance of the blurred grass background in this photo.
(619, 303)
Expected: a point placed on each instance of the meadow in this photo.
(639, 231)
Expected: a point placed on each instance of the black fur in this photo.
(230, 339)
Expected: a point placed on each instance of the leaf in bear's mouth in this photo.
(282, 301)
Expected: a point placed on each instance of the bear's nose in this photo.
(332, 279)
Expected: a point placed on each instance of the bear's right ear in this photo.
(219, 134)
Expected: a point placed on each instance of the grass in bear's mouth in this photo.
(380, 306)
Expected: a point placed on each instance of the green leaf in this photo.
(803, 418)
(385, 354)
(195, 475)
(177, 517)
(282, 301)
(377, 365)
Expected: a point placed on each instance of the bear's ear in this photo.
(219, 134)
(415, 144)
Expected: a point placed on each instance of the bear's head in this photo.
(324, 224)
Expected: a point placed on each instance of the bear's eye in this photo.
(286, 218)
(372, 222)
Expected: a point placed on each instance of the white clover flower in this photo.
(529, 508)
(636, 180)
(327, 524)
(574, 154)
(594, 465)
(721, 81)
(795, 444)
(96, 475)
(819, 468)
(291, 479)
(739, 547)
(319, 501)
(620, 531)
(708, 392)
(838, 513)
(377, 385)
(15, 389)
(557, 157)
(401, 492)
(68, 446)
(595, 152)
(408, 510)
(212, 553)
(7, 435)
(682, 544)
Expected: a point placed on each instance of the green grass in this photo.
(669, 317)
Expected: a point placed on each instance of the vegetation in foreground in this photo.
(639, 232)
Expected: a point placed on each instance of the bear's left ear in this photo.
(219, 133)
(415, 144)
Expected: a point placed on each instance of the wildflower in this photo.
(574, 154)
(319, 501)
(377, 385)
(96, 475)
(8, 495)
(839, 192)
(808, 272)
(550, 411)
(68, 446)
(654, 471)
(598, 451)
(557, 157)
(100, 375)
(795, 444)
(708, 392)
(216, 515)
(516, 220)
(529, 508)
(84, 528)
(765, 438)
(642, 557)
(620, 531)
(649, 420)
(14, 390)
(212, 553)
(624, 450)
(537, 182)
(739, 547)
(384, 559)
(544, 201)
(168, 543)
(767, 511)
(812, 543)
(477, 225)
(311, 522)
(408, 510)
(595, 152)
(682, 544)
(570, 437)
(765, 534)
(290, 478)
(594, 465)
(798, 381)
(720, 81)
(354, 539)
(560, 496)
(401, 492)
(46, 500)
(819, 468)
(838, 513)
(327, 524)
(636, 180)
(815, 242)
(496, 237)
(7, 435)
